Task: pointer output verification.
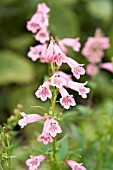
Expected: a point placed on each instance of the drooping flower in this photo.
(52, 127)
(74, 165)
(59, 57)
(49, 53)
(34, 161)
(42, 7)
(29, 119)
(107, 66)
(43, 91)
(92, 69)
(57, 80)
(45, 138)
(42, 35)
(66, 100)
(76, 68)
(95, 46)
(79, 87)
(35, 52)
(73, 43)
(32, 26)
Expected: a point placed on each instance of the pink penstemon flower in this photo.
(74, 165)
(43, 91)
(34, 52)
(42, 7)
(66, 100)
(57, 80)
(59, 57)
(42, 35)
(74, 43)
(107, 66)
(76, 68)
(92, 69)
(53, 127)
(34, 161)
(29, 119)
(79, 87)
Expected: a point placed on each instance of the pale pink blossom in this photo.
(42, 55)
(35, 52)
(29, 119)
(41, 19)
(42, 35)
(42, 7)
(107, 66)
(32, 26)
(92, 69)
(49, 54)
(34, 161)
(57, 80)
(79, 87)
(74, 165)
(59, 57)
(76, 68)
(43, 91)
(45, 138)
(66, 100)
(52, 127)
(95, 46)
(64, 75)
(73, 43)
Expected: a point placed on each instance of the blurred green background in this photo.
(20, 77)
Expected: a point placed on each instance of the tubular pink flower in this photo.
(42, 7)
(34, 52)
(64, 75)
(43, 91)
(75, 166)
(32, 26)
(41, 19)
(59, 57)
(49, 54)
(58, 81)
(76, 68)
(92, 69)
(42, 35)
(34, 161)
(107, 66)
(42, 55)
(45, 138)
(79, 87)
(66, 100)
(62, 46)
(29, 119)
(74, 43)
(52, 127)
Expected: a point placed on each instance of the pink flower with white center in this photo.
(75, 166)
(59, 57)
(107, 66)
(49, 54)
(34, 161)
(52, 127)
(73, 43)
(92, 69)
(29, 119)
(41, 19)
(66, 100)
(57, 80)
(43, 91)
(45, 138)
(79, 87)
(76, 68)
(34, 52)
(42, 35)
(42, 7)
(32, 26)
